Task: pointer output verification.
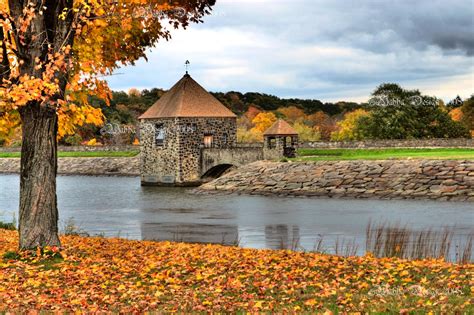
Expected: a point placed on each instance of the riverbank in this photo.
(108, 166)
(117, 275)
(386, 179)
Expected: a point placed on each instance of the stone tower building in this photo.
(175, 129)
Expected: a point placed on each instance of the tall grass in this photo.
(70, 227)
(345, 247)
(385, 240)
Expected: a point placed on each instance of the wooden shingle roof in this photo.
(280, 128)
(187, 99)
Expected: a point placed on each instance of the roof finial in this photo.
(186, 65)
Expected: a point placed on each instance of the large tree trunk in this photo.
(46, 33)
(38, 223)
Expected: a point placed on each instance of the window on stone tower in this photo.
(208, 139)
(225, 139)
(159, 135)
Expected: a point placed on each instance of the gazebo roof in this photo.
(280, 128)
(187, 99)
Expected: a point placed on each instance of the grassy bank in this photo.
(134, 276)
(80, 154)
(383, 154)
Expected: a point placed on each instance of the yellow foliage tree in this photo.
(263, 121)
(306, 133)
(245, 135)
(347, 128)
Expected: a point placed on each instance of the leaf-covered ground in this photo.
(99, 274)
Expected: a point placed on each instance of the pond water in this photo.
(119, 206)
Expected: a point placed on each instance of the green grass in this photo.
(80, 154)
(383, 154)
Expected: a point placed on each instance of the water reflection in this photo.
(114, 206)
(191, 233)
(282, 236)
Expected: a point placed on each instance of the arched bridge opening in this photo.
(216, 171)
(216, 161)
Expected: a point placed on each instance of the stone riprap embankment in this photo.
(390, 179)
(121, 166)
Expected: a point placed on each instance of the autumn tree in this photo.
(292, 114)
(134, 92)
(51, 58)
(251, 112)
(468, 114)
(263, 121)
(245, 135)
(348, 128)
(323, 123)
(456, 114)
(244, 122)
(306, 133)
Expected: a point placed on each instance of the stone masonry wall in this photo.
(404, 179)
(236, 156)
(419, 143)
(83, 166)
(159, 163)
(224, 133)
(178, 161)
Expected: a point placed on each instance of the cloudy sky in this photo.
(322, 49)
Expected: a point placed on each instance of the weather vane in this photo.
(186, 65)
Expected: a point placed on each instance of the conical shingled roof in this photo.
(280, 128)
(187, 99)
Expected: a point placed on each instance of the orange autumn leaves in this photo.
(99, 274)
(107, 34)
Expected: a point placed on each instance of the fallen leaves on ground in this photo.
(117, 275)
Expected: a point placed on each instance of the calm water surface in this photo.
(119, 206)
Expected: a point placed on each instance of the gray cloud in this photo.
(371, 24)
(327, 49)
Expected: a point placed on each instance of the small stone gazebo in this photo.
(280, 140)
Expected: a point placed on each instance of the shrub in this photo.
(7, 226)
(75, 139)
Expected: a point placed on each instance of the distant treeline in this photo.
(392, 112)
(239, 103)
(135, 102)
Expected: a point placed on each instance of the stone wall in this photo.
(224, 133)
(159, 163)
(424, 143)
(404, 179)
(178, 161)
(237, 156)
(84, 166)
